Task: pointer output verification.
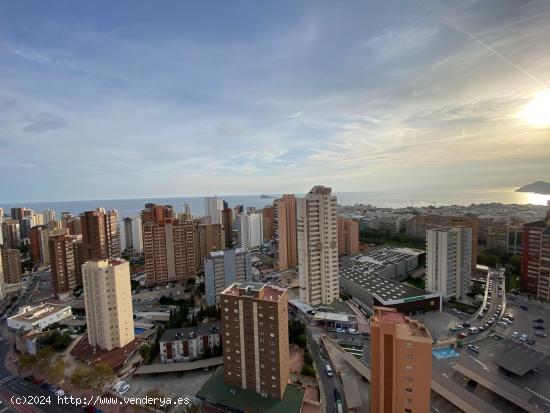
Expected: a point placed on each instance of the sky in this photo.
(138, 99)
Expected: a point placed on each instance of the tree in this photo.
(308, 370)
(56, 370)
(27, 361)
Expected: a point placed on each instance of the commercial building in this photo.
(348, 236)
(254, 326)
(108, 303)
(535, 264)
(387, 262)
(66, 259)
(370, 289)
(401, 363)
(208, 238)
(39, 317)
(223, 268)
(449, 261)
(132, 235)
(168, 245)
(213, 207)
(250, 230)
(188, 344)
(100, 234)
(11, 265)
(317, 230)
(285, 232)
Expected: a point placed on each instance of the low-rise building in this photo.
(188, 344)
(38, 318)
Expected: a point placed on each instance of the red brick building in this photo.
(535, 264)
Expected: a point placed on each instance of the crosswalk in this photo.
(6, 379)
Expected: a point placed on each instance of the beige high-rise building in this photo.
(317, 229)
(401, 363)
(108, 302)
(168, 245)
(11, 233)
(44, 235)
(285, 232)
(208, 238)
(11, 263)
(348, 236)
(254, 328)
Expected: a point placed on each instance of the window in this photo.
(408, 390)
(408, 356)
(408, 344)
(408, 401)
(408, 368)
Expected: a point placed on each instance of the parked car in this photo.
(515, 334)
(538, 320)
(524, 307)
(328, 370)
(503, 324)
(462, 335)
(540, 334)
(538, 327)
(530, 341)
(339, 330)
(353, 331)
(473, 348)
(523, 338)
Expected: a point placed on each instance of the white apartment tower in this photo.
(223, 268)
(449, 260)
(317, 226)
(48, 216)
(251, 230)
(131, 234)
(213, 207)
(108, 302)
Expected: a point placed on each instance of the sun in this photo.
(537, 112)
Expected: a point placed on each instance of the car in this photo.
(502, 324)
(509, 316)
(462, 335)
(523, 338)
(473, 348)
(123, 389)
(465, 324)
(481, 328)
(515, 334)
(37, 380)
(328, 370)
(508, 321)
(540, 334)
(60, 393)
(538, 327)
(538, 320)
(524, 307)
(452, 329)
(45, 386)
(353, 331)
(339, 330)
(530, 341)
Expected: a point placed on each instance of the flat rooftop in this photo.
(174, 334)
(261, 291)
(390, 316)
(383, 288)
(519, 359)
(385, 256)
(35, 314)
(216, 391)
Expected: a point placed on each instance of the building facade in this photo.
(65, 253)
(188, 344)
(213, 207)
(223, 268)
(39, 317)
(285, 232)
(208, 238)
(254, 327)
(348, 236)
(317, 230)
(132, 235)
(11, 233)
(401, 363)
(267, 218)
(535, 263)
(168, 245)
(449, 261)
(108, 303)
(250, 230)
(11, 264)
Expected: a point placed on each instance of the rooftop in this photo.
(391, 316)
(519, 359)
(386, 256)
(384, 289)
(216, 391)
(173, 334)
(35, 314)
(255, 289)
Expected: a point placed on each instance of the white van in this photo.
(329, 371)
(473, 330)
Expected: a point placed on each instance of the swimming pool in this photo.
(139, 330)
(444, 353)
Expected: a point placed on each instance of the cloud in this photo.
(44, 122)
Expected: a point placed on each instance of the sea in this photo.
(381, 199)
